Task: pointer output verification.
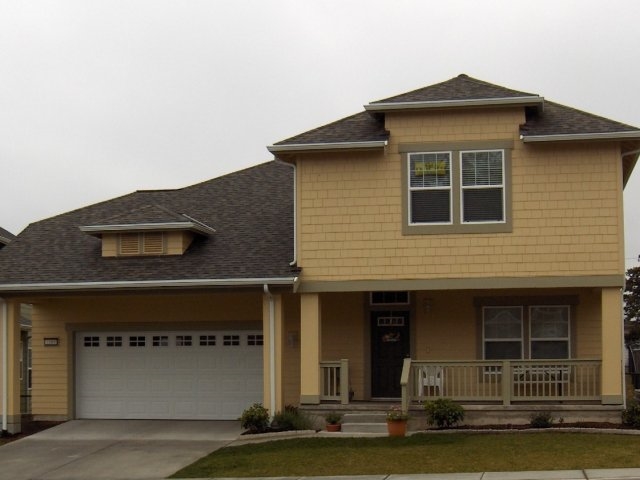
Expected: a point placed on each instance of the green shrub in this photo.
(541, 420)
(631, 415)
(444, 412)
(333, 418)
(292, 419)
(255, 418)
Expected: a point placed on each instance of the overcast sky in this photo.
(101, 98)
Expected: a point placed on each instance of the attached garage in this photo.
(207, 375)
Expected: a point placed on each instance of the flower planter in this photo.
(333, 427)
(397, 428)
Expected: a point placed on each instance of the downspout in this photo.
(624, 377)
(272, 351)
(295, 211)
(5, 363)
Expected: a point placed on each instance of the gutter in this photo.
(635, 135)
(272, 352)
(5, 363)
(306, 147)
(476, 102)
(231, 282)
(193, 225)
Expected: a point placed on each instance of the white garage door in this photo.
(168, 375)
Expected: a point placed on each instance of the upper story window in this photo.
(462, 187)
(430, 187)
(143, 243)
(482, 186)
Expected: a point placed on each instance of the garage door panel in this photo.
(182, 375)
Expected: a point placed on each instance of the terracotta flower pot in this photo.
(397, 428)
(333, 427)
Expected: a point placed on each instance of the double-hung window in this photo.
(538, 332)
(482, 186)
(462, 187)
(430, 187)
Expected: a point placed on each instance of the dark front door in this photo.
(389, 348)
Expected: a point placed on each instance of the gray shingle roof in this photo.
(461, 87)
(559, 119)
(361, 127)
(551, 119)
(144, 214)
(252, 211)
(5, 236)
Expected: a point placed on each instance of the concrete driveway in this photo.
(113, 449)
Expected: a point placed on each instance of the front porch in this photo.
(504, 382)
(568, 389)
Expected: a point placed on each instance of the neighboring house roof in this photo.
(5, 237)
(252, 211)
(546, 121)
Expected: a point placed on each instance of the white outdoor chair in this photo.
(430, 376)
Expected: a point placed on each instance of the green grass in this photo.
(420, 453)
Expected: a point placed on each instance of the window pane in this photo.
(549, 322)
(502, 350)
(481, 168)
(549, 349)
(503, 322)
(430, 206)
(429, 170)
(482, 205)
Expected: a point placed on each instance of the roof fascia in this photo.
(97, 230)
(305, 147)
(476, 102)
(635, 135)
(5, 240)
(148, 284)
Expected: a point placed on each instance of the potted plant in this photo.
(333, 421)
(397, 421)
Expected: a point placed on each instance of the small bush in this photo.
(333, 418)
(631, 415)
(444, 413)
(255, 418)
(292, 419)
(541, 420)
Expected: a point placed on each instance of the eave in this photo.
(148, 285)
(309, 147)
(629, 135)
(476, 102)
(99, 230)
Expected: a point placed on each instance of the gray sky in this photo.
(100, 98)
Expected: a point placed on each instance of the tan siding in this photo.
(566, 209)
(344, 323)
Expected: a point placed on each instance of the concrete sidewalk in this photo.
(591, 474)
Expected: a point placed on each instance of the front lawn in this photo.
(420, 453)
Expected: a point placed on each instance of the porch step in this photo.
(364, 423)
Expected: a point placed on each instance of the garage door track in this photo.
(113, 449)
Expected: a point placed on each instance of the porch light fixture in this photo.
(427, 304)
(51, 342)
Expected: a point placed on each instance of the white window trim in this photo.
(418, 189)
(482, 187)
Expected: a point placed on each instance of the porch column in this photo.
(272, 305)
(10, 313)
(310, 341)
(611, 309)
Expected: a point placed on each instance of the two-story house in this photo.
(463, 240)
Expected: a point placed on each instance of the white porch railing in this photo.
(501, 381)
(334, 379)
